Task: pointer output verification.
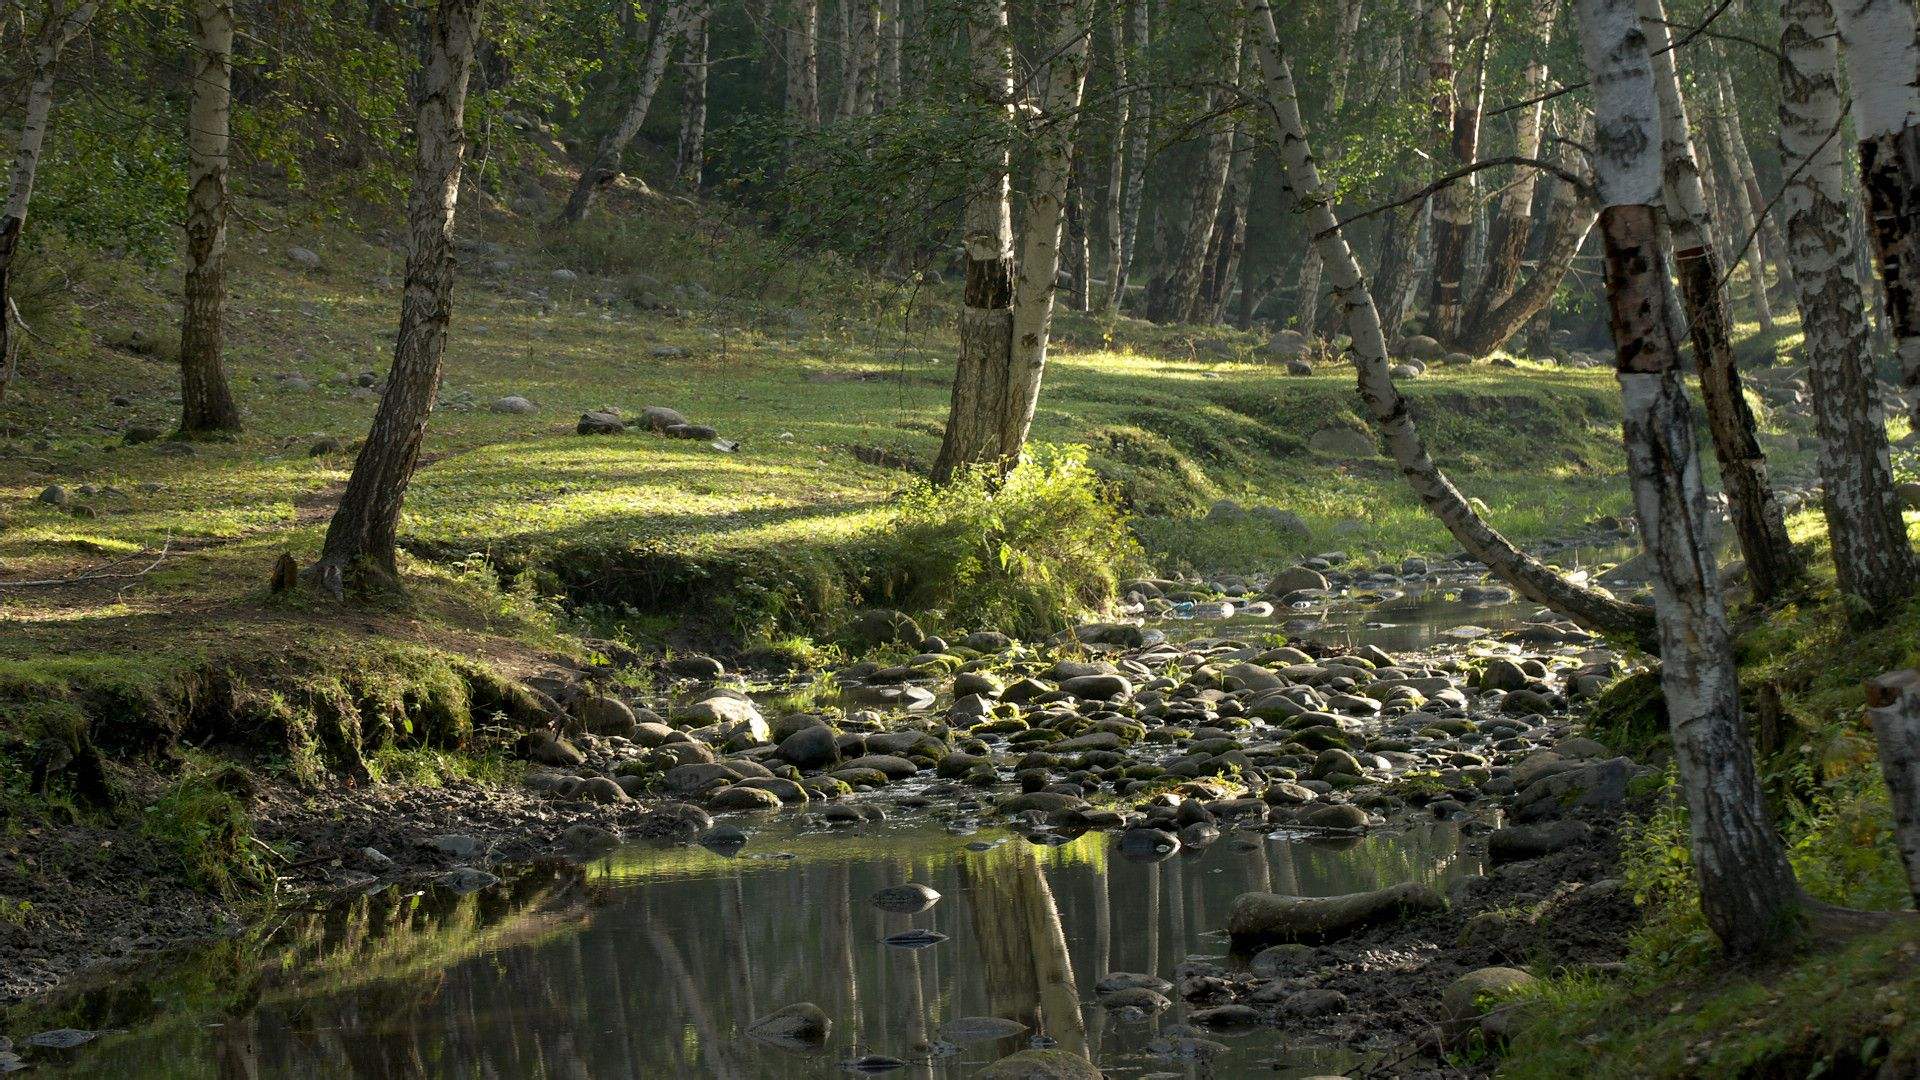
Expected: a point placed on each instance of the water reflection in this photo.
(653, 962)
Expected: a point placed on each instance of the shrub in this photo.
(1023, 554)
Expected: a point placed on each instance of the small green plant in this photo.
(207, 829)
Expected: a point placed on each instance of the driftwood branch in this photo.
(103, 572)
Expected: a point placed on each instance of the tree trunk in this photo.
(866, 75)
(803, 65)
(62, 25)
(1758, 522)
(1895, 714)
(890, 42)
(1732, 154)
(1513, 214)
(1747, 891)
(1139, 129)
(1114, 208)
(1456, 110)
(1772, 239)
(1179, 289)
(1873, 562)
(1883, 55)
(1306, 304)
(983, 374)
(1078, 257)
(690, 162)
(206, 402)
(605, 166)
(849, 59)
(361, 537)
(1237, 204)
(1535, 579)
(1037, 272)
(1569, 218)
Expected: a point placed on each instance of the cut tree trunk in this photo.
(361, 537)
(690, 162)
(1894, 701)
(1389, 410)
(62, 24)
(605, 166)
(1747, 891)
(1513, 213)
(1758, 522)
(803, 65)
(206, 401)
(1883, 54)
(983, 374)
(1873, 562)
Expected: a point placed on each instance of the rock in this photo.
(1310, 1003)
(1295, 579)
(1116, 981)
(1044, 801)
(1421, 347)
(1469, 997)
(1517, 843)
(1226, 1016)
(458, 845)
(1503, 674)
(721, 709)
(1336, 816)
(597, 422)
(564, 276)
(689, 431)
(601, 790)
(1287, 345)
(548, 748)
(53, 495)
(740, 798)
(810, 748)
(802, 1023)
(1406, 371)
(585, 839)
(1098, 686)
(1275, 959)
(326, 447)
(515, 405)
(1041, 1065)
(968, 1029)
(880, 626)
(604, 714)
(59, 1039)
(908, 899)
(143, 433)
(1259, 919)
(305, 258)
(1342, 441)
(658, 418)
(1600, 785)
(466, 879)
(695, 666)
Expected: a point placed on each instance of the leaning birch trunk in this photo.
(360, 538)
(1747, 891)
(1140, 130)
(1744, 219)
(61, 26)
(1037, 270)
(983, 374)
(206, 402)
(1531, 577)
(1179, 290)
(1873, 562)
(1114, 210)
(605, 166)
(1882, 55)
(1894, 701)
(1569, 219)
(1758, 522)
(689, 162)
(1513, 213)
(803, 65)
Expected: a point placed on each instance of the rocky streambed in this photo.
(1228, 830)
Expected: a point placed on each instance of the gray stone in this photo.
(515, 405)
(907, 899)
(1259, 919)
(597, 422)
(810, 748)
(605, 715)
(802, 1022)
(304, 258)
(1517, 843)
(1342, 441)
(1041, 1065)
(741, 798)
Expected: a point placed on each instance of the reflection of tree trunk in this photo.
(846, 986)
(1153, 919)
(1263, 868)
(239, 1049)
(1023, 950)
(674, 968)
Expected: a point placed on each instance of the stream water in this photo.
(655, 960)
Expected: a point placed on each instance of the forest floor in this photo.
(135, 599)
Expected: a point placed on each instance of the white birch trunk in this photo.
(1513, 213)
(690, 161)
(605, 166)
(1873, 562)
(1140, 129)
(1114, 208)
(206, 401)
(1747, 891)
(1895, 714)
(803, 65)
(1389, 410)
(1746, 221)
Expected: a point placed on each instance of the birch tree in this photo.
(1114, 207)
(1178, 294)
(1747, 891)
(1723, 123)
(1389, 410)
(1457, 99)
(1758, 522)
(803, 64)
(1514, 212)
(1873, 562)
(206, 401)
(1883, 57)
(1139, 130)
(605, 166)
(361, 537)
(60, 24)
(1772, 241)
(689, 160)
